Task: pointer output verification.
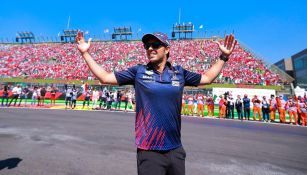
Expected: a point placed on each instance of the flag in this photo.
(201, 26)
(106, 31)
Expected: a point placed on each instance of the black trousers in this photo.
(126, 104)
(230, 111)
(5, 96)
(102, 100)
(247, 113)
(266, 114)
(15, 97)
(86, 100)
(150, 162)
(240, 115)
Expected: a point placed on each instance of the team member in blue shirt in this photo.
(158, 90)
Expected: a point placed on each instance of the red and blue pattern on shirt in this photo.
(158, 104)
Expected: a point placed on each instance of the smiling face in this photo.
(156, 54)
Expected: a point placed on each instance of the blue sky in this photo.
(273, 29)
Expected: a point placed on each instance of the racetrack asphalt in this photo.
(71, 142)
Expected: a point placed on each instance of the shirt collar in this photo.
(149, 66)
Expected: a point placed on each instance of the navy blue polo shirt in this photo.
(158, 103)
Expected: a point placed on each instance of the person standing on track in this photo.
(43, 94)
(239, 106)
(273, 108)
(183, 104)
(281, 103)
(24, 95)
(222, 107)
(246, 107)
(158, 90)
(230, 106)
(265, 109)
(16, 93)
(302, 109)
(257, 108)
(52, 97)
(34, 95)
(190, 105)
(68, 94)
(5, 95)
(210, 106)
(74, 96)
(292, 106)
(200, 105)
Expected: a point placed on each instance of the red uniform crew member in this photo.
(257, 107)
(222, 107)
(200, 104)
(273, 108)
(281, 104)
(190, 104)
(291, 106)
(183, 107)
(210, 105)
(302, 110)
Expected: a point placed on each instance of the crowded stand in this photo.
(63, 61)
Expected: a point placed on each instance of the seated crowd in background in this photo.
(62, 61)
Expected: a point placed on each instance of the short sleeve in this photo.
(126, 77)
(191, 78)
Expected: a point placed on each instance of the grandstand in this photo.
(63, 61)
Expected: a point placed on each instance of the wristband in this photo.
(224, 57)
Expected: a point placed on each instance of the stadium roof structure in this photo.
(184, 31)
(122, 32)
(69, 35)
(25, 37)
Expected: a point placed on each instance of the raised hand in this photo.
(229, 44)
(82, 45)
